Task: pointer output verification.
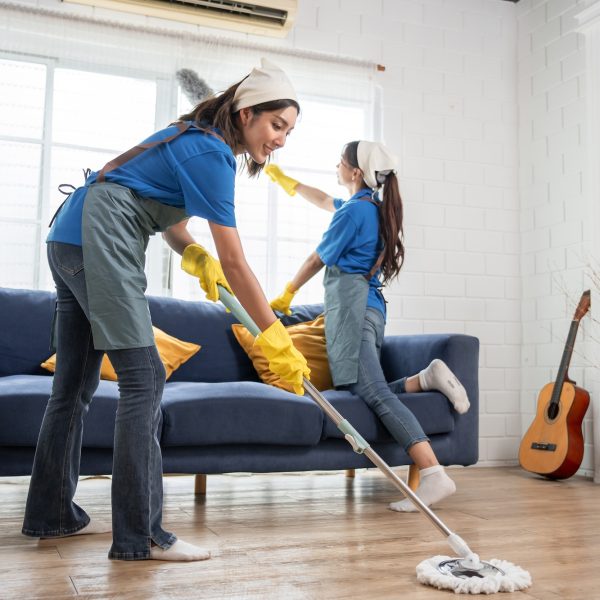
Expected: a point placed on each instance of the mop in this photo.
(465, 574)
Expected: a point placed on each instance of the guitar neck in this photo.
(565, 362)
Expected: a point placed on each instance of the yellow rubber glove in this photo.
(197, 261)
(283, 301)
(278, 176)
(284, 359)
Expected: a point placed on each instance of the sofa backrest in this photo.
(221, 358)
(26, 319)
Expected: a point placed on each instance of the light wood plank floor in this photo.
(315, 536)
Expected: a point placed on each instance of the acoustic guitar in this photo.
(553, 444)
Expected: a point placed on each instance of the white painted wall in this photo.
(483, 104)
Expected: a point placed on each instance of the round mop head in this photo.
(471, 576)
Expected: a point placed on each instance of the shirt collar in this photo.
(364, 193)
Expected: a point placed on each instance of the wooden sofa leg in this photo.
(200, 484)
(413, 477)
(350, 473)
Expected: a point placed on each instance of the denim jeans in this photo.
(377, 393)
(136, 492)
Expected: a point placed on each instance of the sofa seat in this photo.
(432, 409)
(243, 412)
(23, 399)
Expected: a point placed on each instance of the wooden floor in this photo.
(315, 536)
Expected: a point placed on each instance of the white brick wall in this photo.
(450, 82)
(551, 64)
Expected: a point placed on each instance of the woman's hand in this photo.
(283, 301)
(276, 175)
(197, 261)
(284, 359)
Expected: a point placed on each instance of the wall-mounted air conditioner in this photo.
(259, 17)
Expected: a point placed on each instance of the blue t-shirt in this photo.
(195, 171)
(352, 242)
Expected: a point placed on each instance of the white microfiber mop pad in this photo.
(514, 579)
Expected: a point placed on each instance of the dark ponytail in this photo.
(391, 216)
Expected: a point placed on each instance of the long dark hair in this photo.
(217, 111)
(391, 216)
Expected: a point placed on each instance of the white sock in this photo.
(435, 485)
(180, 551)
(90, 528)
(437, 376)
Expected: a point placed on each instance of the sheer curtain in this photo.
(74, 92)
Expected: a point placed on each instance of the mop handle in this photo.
(357, 442)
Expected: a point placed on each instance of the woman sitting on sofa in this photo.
(362, 250)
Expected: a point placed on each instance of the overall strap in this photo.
(376, 266)
(368, 276)
(137, 150)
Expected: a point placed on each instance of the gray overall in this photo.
(345, 306)
(116, 227)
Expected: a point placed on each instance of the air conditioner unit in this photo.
(260, 17)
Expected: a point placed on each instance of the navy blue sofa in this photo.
(217, 416)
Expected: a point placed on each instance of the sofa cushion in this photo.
(23, 401)
(197, 414)
(209, 325)
(432, 409)
(173, 353)
(25, 320)
(308, 338)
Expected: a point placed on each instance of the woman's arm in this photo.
(239, 275)
(178, 237)
(310, 267)
(316, 196)
(291, 186)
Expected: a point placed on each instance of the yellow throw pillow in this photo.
(173, 353)
(308, 338)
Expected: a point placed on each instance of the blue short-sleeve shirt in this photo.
(195, 171)
(352, 242)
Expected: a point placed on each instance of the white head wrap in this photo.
(264, 84)
(376, 162)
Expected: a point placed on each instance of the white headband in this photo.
(376, 162)
(264, 84)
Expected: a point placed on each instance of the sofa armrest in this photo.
(406, 355)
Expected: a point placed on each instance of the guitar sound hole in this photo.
(553, 410)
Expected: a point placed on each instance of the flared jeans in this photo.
(136, 492)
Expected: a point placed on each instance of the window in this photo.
(87, 125)
(56, 121)
(22, 92)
